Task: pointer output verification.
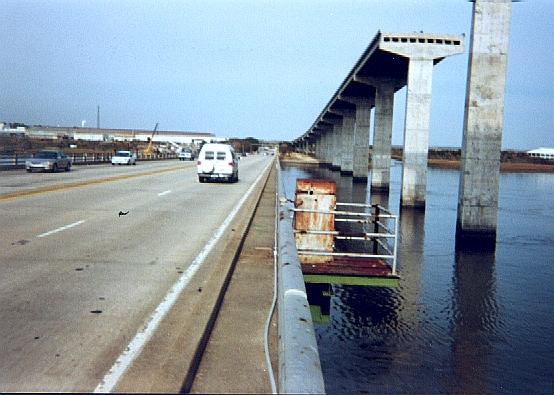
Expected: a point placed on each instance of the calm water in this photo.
(458, 322)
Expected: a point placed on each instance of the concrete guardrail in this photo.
(299, 364)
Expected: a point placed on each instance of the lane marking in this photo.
(78, 184)
(164, 193)
(61, 229)
(131, 352)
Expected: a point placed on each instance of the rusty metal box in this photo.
(316, 195)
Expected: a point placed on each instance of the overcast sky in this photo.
(247, 68)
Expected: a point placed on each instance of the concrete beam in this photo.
(483, 125)
(335, 141)
(397, 83)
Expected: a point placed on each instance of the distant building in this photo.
(543, 153)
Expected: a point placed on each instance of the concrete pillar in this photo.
(327, 139)
(317, 145)
(483, 125)
(361, 141)
(336, 146)
(382, 138)
(416, 133)
(327, 143)
(347, 140)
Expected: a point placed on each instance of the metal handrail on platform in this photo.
(382, 234)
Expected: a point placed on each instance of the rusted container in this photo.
(317, 195)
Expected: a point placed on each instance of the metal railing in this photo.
(383, 237)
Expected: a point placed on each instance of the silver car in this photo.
(48, 161)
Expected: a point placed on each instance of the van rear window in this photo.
(209, 155)
(221, 156)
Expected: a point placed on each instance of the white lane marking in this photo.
(143, 335)
(164, 193)
(61, 229)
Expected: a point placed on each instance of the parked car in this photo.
(217, 162)
(48, 160)
(186, 154)
(124, 158)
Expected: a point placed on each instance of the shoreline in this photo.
(505, 167)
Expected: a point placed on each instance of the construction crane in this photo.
(149, 150)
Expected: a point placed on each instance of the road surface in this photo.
(78, 280)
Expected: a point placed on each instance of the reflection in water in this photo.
(474, 321)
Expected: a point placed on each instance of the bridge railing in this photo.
(299, 364)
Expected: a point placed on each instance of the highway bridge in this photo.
(138, 279)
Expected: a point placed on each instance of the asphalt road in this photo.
(77, 280)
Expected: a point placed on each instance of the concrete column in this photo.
(483, 125)
(347, 139)
(416, 133)
(317, 143)
(382, 138)
(336, 146)
(327, 145)
(361, 141)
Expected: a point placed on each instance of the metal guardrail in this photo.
(299, 364)
(385, 230)
(17, 161)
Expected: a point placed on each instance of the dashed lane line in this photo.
(164, 193)
(61, 229)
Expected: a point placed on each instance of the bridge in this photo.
(339, 135)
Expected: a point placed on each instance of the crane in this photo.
(149, 150)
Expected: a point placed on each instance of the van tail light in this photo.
(199, 162)
(230, 163)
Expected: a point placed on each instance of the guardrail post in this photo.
(376, 229)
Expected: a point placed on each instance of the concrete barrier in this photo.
(299, 364)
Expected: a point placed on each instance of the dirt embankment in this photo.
(297, 157)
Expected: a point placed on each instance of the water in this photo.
(458, 322)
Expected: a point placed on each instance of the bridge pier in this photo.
(382, 137)
(345, 140)
(358, 148)
(421, 54)
(416, 133)
(483, 125)
(361, 141)
(335, 148)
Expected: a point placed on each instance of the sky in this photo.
(245, 68)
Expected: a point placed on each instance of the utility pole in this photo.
(97, 117)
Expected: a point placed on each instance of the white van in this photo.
(216, 162)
